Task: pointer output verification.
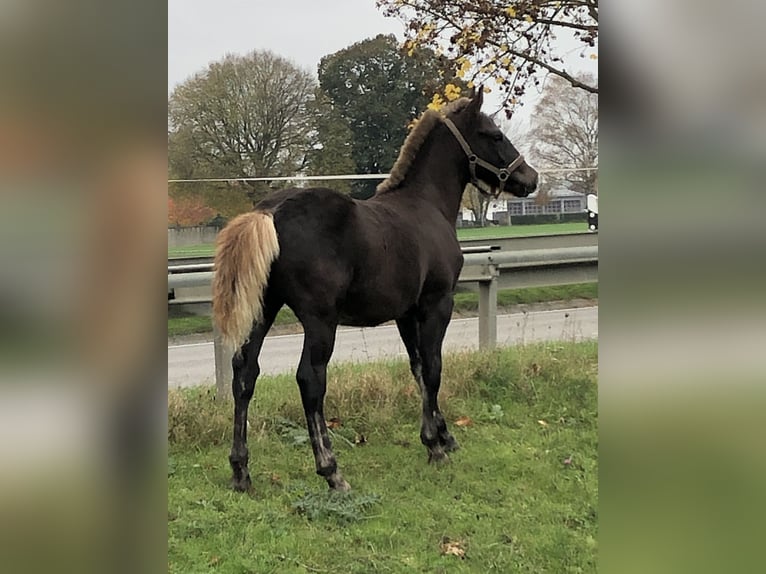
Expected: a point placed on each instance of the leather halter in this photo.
(502, 173)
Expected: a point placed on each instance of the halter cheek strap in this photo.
(473, 160)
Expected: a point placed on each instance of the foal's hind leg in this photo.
(246, 370)
(434, 318)
(409, 330)
(318, 343)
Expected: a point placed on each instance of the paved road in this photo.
(192, 364)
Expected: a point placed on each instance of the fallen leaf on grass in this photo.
(334, 423)
(464, 422)
(452, 548)
(542, 423)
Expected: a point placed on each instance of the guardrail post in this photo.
(223, 370)
(488, 308)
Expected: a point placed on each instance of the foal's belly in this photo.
(370, 311)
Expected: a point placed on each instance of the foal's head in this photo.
(497, 164)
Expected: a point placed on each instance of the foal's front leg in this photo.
(432, 326)
(318, 345)
(409, 330)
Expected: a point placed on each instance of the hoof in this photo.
(437, 456)
(342, 486)
(241, 484)
(450, 444)
(337, 483)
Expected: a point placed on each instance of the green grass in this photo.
(520, 230)
(467, 301)
(181, 323)
(206, 250)
(202, 250)
(187, 324)
(520, 496)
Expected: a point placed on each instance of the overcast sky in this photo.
(202, 31)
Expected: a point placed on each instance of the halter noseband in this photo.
(502, 174)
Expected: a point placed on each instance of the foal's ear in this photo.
(477, 99)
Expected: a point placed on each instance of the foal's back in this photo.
(370, 260)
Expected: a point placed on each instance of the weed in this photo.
(341, 507)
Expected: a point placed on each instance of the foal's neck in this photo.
(439, 173)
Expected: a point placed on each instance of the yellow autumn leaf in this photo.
(452, 92)
(452, 548)
(487, 89)
(437, 102)
(594, 56)
(511, 11)
(528, 18)
(464, 422)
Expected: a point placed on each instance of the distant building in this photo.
(561, 200)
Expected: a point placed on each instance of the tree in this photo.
(331, 148)
(477, 203)
(378, 89)
(185, 212)
(509, 42)
(244, 116)
(564, 134)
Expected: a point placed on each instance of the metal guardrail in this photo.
(536, 267)
(521, 243)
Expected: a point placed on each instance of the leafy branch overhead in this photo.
(510, 45)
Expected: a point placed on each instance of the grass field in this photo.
(521, 494)
(519, 230)
(186, 324)
(464, 233)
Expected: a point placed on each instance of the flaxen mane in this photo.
(411, 145)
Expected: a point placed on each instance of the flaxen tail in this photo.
(245, 250)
